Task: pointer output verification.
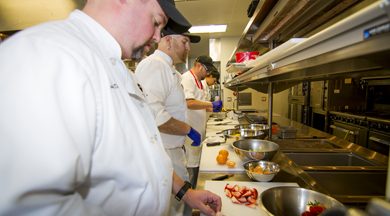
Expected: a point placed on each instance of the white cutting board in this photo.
(208, 160)
(232, 209)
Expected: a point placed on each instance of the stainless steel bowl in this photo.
(255, 149)
(292, 201)
(241, 134)
(271, 167)
(259, 127)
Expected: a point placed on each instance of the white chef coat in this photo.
(206, 91)
(193, 89)
(161, 84)
(164, 93)
(76, 134)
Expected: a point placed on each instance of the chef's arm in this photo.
(198, 105)
(176, 127)
(203, 200)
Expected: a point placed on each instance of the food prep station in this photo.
(345, 171)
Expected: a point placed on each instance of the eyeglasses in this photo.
(205, 67)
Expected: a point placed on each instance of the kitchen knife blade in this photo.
(222, 177)
(213, 144)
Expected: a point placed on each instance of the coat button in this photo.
(142, 104)
(152, 140)
(165, 183)
(113, 61)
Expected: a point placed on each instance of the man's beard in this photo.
(139, 52)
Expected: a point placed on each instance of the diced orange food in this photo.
(231, 164)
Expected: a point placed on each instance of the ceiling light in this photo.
(208, 29)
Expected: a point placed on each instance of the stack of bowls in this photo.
(258, 127)
(242, 134)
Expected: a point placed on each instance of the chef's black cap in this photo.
(206, 61)
(176, 21)
(215, 75)
(168, 31)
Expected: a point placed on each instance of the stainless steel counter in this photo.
(305, 176)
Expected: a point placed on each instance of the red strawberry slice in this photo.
(248, 193)
(236, 188)
(250, 205)
(229, 186)
(228, 193)
(242, 189)
(251, 200)
(255, 194)
(234, 200)
(316, 207)
(237, 194)
(242, 200)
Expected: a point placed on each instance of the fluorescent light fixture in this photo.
(208, 29)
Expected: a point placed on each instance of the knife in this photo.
(223, 177)
(224, 123)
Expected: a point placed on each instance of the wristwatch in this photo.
(183, 190)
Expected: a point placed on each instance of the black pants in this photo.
(193, 173)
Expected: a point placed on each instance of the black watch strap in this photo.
(183, 190)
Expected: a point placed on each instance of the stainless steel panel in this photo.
(379, 142)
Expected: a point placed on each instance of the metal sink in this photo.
(351, 186)
(302, 158)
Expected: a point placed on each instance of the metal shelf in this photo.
(368, 58)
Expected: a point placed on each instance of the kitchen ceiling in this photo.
(208, 12)
(21, 14)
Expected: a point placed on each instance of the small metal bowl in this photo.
(292, 201)
(271, 167)
(259, 127)
(241, 134)
(255, 149)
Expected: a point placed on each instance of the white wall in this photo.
(280, 105)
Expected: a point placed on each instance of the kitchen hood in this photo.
(21, 14)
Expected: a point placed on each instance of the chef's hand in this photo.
(203, 200)
(194, 135)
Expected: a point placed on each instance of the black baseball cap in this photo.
(168, 31)
(215, 75)
(176, 21)
(206, 61)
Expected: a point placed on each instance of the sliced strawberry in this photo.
(236, 188)
(234, 200)
(237, 194)
(248, 193)
(229, 186)
(255, 194)
(228, 193)
(242, 189)
(242, 200)
(250, 205)
(251, 200)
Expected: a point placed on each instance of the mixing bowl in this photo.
(255, 149)
(259, 127)
(241, 134)
(270, 167)
(292, 201)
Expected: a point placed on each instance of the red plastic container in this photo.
(246, 56)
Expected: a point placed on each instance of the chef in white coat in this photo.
(210, 80)
(197, 107)
(76, 134)
(161, 84)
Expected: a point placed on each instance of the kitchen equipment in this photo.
(241, 134)
(223, 177)
(271, 167)
(246, 56)
(260, 127)
(292, 201)
(287, 132)
(232, 209)
(221, 115)
(254, 149)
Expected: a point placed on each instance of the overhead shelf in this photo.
(339, 51)
(277, 21)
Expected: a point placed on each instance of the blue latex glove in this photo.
(194, 135)
(217, 106)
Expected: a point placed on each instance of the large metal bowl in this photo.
(292, 201)
(242, 134)
(271, 167)
(259, 127)
(255, 149)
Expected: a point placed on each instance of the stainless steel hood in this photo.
(21, 14)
